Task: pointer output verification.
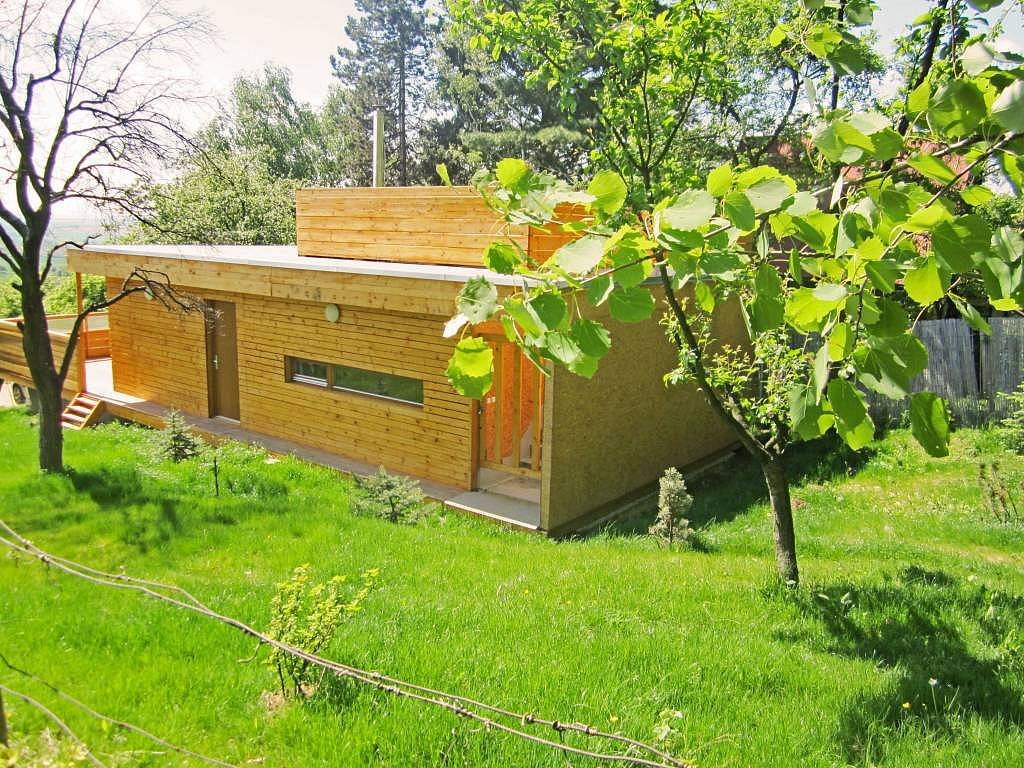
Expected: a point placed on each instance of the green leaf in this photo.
(512, 172)
(591, 337)
(929, 423)
(977, 57)
(471, 367)
(585, 366)
(1008, 108)
(477, 300)
(740, 212)
(631, 305)
(917, 100)
(704, 297)
(769, 194)
(1008, 244)
(816, 229)
(598, 289)
(883, 275)
(692, 210)
(808, 418)
(852, 421)
(805, 310)
(442, 171)
(956, 242)
(840, 342)
(957, 108)
(561, 347)
(502, 258)
(777, 36)
(524, 316)
(609, 191)
(932, 167)
(892, 319)
(925, 219)
(887, 365)
(972, 316)
(720, 180)
(976, 195)
(579, 257)
(924, 284)
(550, 309)
(767, 309)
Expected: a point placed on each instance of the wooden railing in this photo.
(12, 356)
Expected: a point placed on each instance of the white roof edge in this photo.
(287, 257)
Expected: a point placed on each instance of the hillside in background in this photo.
(75, 229)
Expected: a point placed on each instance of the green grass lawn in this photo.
(907, 580)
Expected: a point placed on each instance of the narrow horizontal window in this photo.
(307, 372)
(379, 384)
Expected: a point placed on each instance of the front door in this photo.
(510, 418)
(222, 360)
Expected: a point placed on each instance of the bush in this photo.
(306, 616)
(1011, 428)
(395, 498)
(674, 502)
(176, 441)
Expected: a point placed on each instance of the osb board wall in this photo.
(422, 225)
(12, 357)
(619, 431)
(433, 441)
(157, 354)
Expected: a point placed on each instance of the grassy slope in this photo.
(612, 630)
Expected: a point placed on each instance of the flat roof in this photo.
(287, 257)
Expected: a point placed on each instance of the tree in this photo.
(487, 112)
(223, 197)
(889, 216)
(86, 104)
(388, 68)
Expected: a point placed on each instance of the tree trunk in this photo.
(35, 339)
(403, 148)
(774, 471)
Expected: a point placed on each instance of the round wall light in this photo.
(332, 312)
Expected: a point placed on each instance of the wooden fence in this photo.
(970, 370)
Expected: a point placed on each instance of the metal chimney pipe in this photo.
(378, 146)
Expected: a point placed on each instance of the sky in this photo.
(300, 34)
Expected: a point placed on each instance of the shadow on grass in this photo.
(147, 519)
(954, 649)
(729, 490)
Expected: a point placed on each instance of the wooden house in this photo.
(333, 348)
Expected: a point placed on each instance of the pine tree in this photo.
(389, 66)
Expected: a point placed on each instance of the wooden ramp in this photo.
(83, 411)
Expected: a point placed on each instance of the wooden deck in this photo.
(512, 510)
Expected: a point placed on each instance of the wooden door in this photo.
(511, 415)
(222, 360)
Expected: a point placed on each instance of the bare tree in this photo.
(87, 97)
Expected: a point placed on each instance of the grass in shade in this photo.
(903, 647)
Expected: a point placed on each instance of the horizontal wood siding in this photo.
(158, 355)
(161, 357)
(422, 225)
(12, 357)
(433, 441)
(393, 294)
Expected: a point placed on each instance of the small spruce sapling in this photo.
(674, 503)
(307, 615)
(395, 498)
(176, 441)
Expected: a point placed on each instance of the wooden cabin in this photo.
(333, 349)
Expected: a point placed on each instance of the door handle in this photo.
(216, 363)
